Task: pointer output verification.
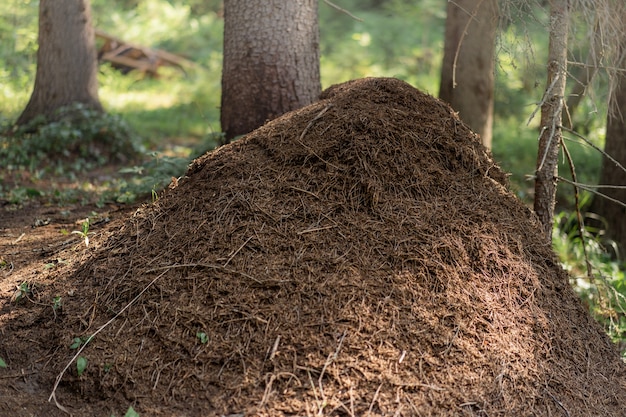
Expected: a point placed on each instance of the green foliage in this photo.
(84, 232)
(382, 44)
(3, 364)
(81, 365)
(604, 292)
(18, 47)
(178, 103)
(22, 291)
(79, 341)
(131, 412)
(147, 179)
(515, 149)
(78, 139)
(202, 337)
(57, 303)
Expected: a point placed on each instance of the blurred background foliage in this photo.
(398, 38)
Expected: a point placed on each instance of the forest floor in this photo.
(36, 243)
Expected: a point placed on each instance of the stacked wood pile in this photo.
(127, 56)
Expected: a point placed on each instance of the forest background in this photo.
(174, 117)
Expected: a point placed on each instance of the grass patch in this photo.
(604, 290)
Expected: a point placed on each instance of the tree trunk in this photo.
(613, 213)
(271, 61)
(551, 110)
(467, 73)
(66, 59)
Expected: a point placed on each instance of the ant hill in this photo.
(359, 256)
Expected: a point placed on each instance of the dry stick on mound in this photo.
(332, 357)
(369, 411)
(166, 269)
(90, 338)
(306, 129)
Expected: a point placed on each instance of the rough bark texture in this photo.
(551, 108)
(271, 61)
(467, 74)
(66, 59)
(612, 174)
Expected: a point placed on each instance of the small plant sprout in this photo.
(21, 292)
(131, 412)
(54, 263)
(81, 365)
(79, 341)
(57, 302)
(3, 364)
(76, 342)
(84, 232)
(202, 337)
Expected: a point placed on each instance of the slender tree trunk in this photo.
(551, 110)
(612, 174)
(467, 73)
(66, 59)
(271, 61)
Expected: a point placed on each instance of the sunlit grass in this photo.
(603, 291)
(147, 100)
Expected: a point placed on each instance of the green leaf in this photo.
(204, 339)
(3, 364)
(77, 341)
(131, 412)
(81, 364)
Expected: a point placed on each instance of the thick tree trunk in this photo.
(551, 110)
(66, 59)
(467, 73)
(271, 61)
(613, 213)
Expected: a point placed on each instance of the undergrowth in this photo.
(597, 273)
(78, 139)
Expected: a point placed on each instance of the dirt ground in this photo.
(360, 256)
(37, 243)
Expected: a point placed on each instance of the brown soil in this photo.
(360, 256)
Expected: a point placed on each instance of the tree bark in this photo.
(467, 73)
(612, 174)
(551, 111)
(66, 59)
(271, 61)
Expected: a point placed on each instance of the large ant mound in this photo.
(360, 255)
